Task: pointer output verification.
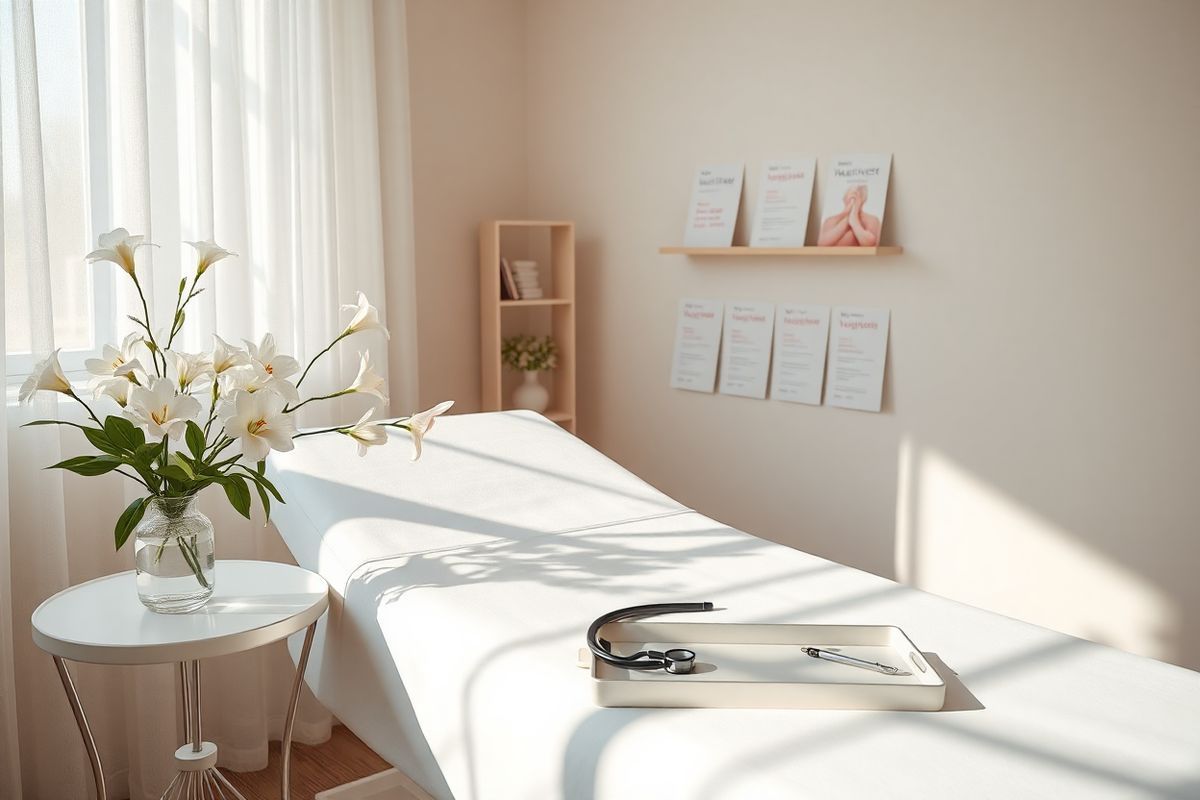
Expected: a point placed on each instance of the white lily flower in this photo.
(257, 421)
(366, 317)
(368, 381)
(243, 376)
(208, 253)
(48, 376)
(117, 362)
(267, 355)
(187, 368)
(282, 387)
(118, 370)
(254, 378)
(160, 409)
(421, 423)
(118, 247)
(366, 434)
(117, 388)
(224, 355)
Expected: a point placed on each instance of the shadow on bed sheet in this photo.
(590, 559)
(598, 558)
(604, 724)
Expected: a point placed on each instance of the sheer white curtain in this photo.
(254, 123)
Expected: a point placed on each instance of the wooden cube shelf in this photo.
(560, 307)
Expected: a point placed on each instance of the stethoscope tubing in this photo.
(644, 659)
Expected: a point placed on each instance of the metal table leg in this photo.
(198, 777)
(85, 731)
(285, 747)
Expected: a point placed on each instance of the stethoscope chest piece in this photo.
(679, 661)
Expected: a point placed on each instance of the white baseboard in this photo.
(390, 784)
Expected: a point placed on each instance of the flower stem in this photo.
(91, 413)
(157, 353)
(176, 322)
(189, 555)
(304, 374)
(314, 433)
(175, 314)
(289, 409)
(212, 408)
(218, 446)
(134, 477)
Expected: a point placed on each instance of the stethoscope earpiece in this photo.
(677, 661)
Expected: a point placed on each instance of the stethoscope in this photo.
(677, 661)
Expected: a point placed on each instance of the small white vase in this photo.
(531, 394)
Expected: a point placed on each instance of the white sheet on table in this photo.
(455, 648)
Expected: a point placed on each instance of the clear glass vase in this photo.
(173, 554)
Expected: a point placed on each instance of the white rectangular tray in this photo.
(763, 666)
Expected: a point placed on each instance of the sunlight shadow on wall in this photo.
(961, 537)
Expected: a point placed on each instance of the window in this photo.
(53, 283)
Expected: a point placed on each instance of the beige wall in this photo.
(1037, 454)
(467, 85)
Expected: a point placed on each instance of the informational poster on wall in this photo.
(746, 349)
(784, 196)
(712, 215)
(858, 352)
(801, 337)
(855, 197)
(697, 345)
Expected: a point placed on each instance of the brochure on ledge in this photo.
(713, 212)
(855, 196)
(784, 197)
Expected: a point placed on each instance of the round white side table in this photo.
(103, 622)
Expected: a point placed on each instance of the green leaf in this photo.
(271, 488)
(174, 472)
(129, 518)
(195, 439)
(123, 433)
(181, 462)
(238, 494)
(100, 441)
(71, 462)
(43, 422)
(89, 465)
(263, 481)
(144, 456)
(266, 501)
(151, 478)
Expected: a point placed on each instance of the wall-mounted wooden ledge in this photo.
(541, 301)
(531, 223)
(889, 250)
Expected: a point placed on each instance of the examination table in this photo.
(463, 585)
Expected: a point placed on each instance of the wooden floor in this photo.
(314, 769)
